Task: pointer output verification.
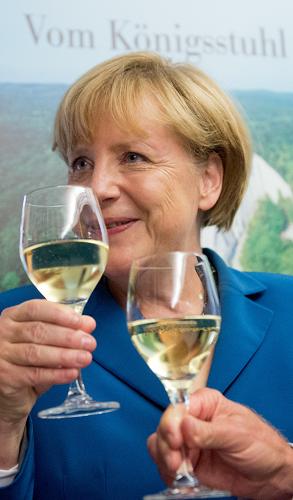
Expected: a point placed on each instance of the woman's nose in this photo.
(105, 183)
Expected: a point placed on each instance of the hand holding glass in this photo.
(64, 250)
(173, 317)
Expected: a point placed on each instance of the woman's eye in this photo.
(132, 157)
(80, 165)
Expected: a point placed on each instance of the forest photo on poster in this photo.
(264, 232)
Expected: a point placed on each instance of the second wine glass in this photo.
(173, 317)
(64, 250)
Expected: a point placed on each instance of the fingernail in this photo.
(87, 342)
(83, 357)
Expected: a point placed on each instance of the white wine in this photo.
(175, 348)
(66, 271)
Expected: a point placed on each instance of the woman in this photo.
(166, 152)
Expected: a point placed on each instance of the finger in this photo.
(41, 377)
(38, 332)
(167, 460)
(169, 429)
(204, 435)
(86, 323)
(206, 403)
(166, 477)
(49, 312)
(194, 455)
(46, 356)
(152, 446)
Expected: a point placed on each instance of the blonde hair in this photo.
(190, 103)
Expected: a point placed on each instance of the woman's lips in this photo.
(115, 226)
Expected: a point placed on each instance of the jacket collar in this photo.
(244, 325)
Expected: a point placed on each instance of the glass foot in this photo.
(79, 406)
(187, 493)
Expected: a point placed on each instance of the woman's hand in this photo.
(41, 344)
(231, 448)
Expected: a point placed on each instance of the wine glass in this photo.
(173, 317)
(64, 251)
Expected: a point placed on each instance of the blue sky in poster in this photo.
(244, 45)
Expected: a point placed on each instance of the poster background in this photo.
(247, 47)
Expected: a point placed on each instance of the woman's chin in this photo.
(118, 270)
(120, 260)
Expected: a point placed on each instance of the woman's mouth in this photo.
(115, 226)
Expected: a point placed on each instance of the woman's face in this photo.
(150, 190)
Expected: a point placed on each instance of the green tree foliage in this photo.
(270, 118)
(9, 255)
(27, 162)
(10, 280)
(264, 248)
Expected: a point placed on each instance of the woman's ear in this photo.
(211, 182)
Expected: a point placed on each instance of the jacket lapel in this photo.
(244, 324)
(115, 351)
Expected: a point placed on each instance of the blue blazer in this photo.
(104, 457)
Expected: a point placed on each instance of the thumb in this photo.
(205, 403)
(205, 435)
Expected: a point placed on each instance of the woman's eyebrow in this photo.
(144, 142)
(79, 150)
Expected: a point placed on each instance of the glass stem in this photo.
(185, 477)
(77, 387)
